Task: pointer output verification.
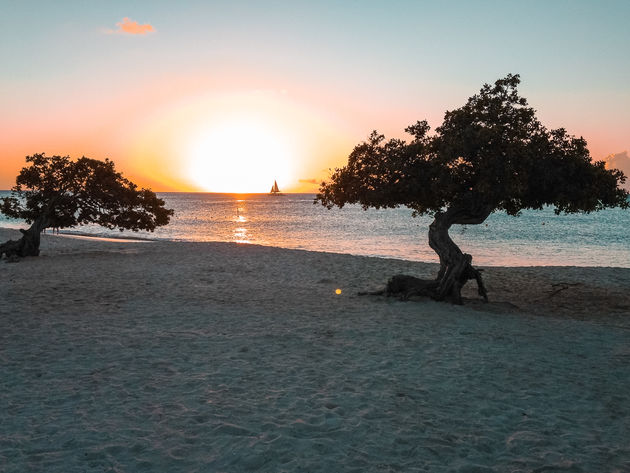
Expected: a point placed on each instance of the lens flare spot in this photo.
(337, 291)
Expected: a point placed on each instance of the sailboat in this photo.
(275, 190)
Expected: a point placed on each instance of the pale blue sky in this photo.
(376, 64)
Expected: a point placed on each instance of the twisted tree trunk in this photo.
(455, 266)
(28, 245)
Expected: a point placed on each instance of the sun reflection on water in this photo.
(240, 234)
(598, 239)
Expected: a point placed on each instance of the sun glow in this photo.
(240, 156)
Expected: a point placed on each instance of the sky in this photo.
(227, 96)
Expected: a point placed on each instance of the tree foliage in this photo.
(58, 192)
(491, 153)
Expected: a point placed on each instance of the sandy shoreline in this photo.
(169, 356)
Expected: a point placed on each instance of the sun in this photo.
(240, 156)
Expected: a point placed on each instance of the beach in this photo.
(126, 356)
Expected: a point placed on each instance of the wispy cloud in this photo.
(308, 181)
(129, 26)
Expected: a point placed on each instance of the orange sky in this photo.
(225, 97)
(151, 132)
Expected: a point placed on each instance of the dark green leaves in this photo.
(492, 152)
(70, 193)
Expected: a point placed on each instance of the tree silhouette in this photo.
(491, 154)
(56, 192)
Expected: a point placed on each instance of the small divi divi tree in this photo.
(491, 154)
(56, 192)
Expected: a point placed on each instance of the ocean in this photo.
(293, 221)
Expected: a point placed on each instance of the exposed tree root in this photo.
(12, 248)
(404, 286)
(28, 245)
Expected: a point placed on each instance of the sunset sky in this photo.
(227, 96)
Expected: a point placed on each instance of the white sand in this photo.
(209, 357)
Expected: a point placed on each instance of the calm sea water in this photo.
(293, 221)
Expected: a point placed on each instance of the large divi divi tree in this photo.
(56, 192)
(491, 154)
